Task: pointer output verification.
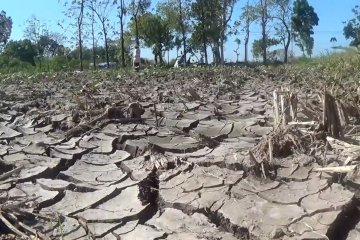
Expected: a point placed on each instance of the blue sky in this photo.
(331, 13)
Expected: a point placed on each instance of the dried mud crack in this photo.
(158, 157)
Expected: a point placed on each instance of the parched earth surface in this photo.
(183, 171)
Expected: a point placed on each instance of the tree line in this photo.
(202, 27)
(191, 27)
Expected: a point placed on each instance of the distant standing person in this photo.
(136, 58)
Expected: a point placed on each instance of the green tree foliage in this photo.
(207, 25)
(155, 33)
(136, 9)
(258, 46)
(303, 21)
(211, 20)
(5, 28)
(102, 9)
(47, 46)
(23, 50)
(282, 13)
(121, 14)
(247, 17)
(227, 8)
(236, 51)
(43, 40)
(177, 15)
(76, 13)
(352, 28)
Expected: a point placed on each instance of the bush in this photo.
(12, 65)
(58, 63)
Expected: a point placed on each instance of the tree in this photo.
(200, 35)
(238, 42)
(352, 28)
(80, 20)
(247, 17)
(47, 46)
(211, 18)
(303, 22)
(264, 18)
(208, 28)
(34, 31)
(77, 8)
(137, 8)
(93, 41)
(177, 15)
(45, 42)
(259, 46)
(121, 15)
(23, 50)
(102, 9)
(155, 33)
(227, 9)
(283, 14)
(5, 28)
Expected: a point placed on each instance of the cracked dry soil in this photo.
(180, 172)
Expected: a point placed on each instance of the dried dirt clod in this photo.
(115, 113)
(277, 233)
(135, 110)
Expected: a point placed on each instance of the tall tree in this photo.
(208, 27)
(182, 23)
(227, 8)
(177, 14)
(303, 22)
(77, 8)
(352, 28)
(121, 15)
(46, 42)
(5, 28)
(247, 17)
(264, 18)
(236, 51)
(283, 14)
(200, 33)
(137, 8)
(23, 50)
(91, 14)
(154, 31)
(102, 9)
(80, 21)
(259, 46)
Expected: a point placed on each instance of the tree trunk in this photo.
(216, 52)
(263, 29)
(246, 44)
(136, 31)
(161, 57)
(106, 44)
(205, 53)
(287, 45)
(222, 36)
(203, 31)
(81, 51)
(40, 63)
(222, 61)
(122, 33)
(93, 37)
(80, 22)
(183, 31)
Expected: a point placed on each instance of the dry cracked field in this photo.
(186, 160)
